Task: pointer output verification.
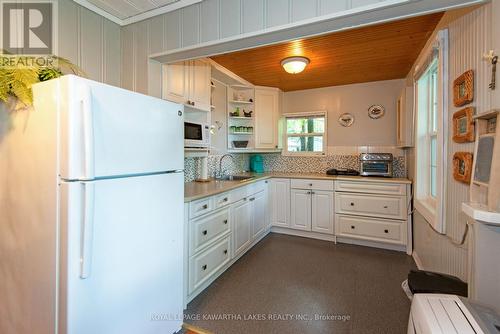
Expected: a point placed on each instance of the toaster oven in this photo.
(376, 164)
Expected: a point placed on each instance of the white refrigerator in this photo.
(92, 231)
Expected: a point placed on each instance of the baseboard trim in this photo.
(305, 234)
(417, 260)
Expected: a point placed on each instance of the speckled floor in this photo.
(285, 283)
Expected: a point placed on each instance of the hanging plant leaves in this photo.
(17, 81)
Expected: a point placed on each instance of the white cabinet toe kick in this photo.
(219, 229)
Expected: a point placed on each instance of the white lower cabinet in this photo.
(374, 229)
(221, 228)
(312, 206)
(301, 209)
(242, 225)
(322, 212)
(280, 202)
(250, 220)
(260, 219)
(374, 212)
(208, 262)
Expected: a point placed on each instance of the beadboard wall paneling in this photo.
(469, 37)
(211, 21)
(90, 41)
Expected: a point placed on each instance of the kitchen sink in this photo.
(236, 178)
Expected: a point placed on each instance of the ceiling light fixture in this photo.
(294, 65)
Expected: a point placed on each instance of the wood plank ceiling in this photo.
(380, 52)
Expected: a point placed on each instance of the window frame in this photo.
(432, 208)
(308, 114)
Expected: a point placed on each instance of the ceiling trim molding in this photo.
(139, 17)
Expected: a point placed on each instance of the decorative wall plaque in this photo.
(462, 166)
(376, 111)
(463, 125)
(463, 89)
(346, 119)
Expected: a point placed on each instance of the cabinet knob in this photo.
(252, 199)
(386, 231)
(310, 184)
(385, 206)
(266, 181)
(205, 206)
(308, 193)
(204, 232)
(225, 199)
(244, 198)
(225, 221)
(204, 267)
(192, 103)
(352, 203)
(225, 251)
(353, 227)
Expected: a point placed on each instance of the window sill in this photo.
(427, 210)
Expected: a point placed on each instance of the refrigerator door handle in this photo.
(88, 132)
(87, 229)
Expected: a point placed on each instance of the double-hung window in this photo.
(305, 133)
(431, 133)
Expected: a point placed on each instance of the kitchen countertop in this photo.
(196, 190)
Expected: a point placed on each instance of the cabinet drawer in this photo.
(248, 190)
(200, 207)
(384, 230)
(371, 187)
(312, 184)
(222, 200)
(371, 205)
(204, 230)
(204, 265)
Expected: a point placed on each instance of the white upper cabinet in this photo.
(404, 116)
(199, 84)
(188, 83)
(267, 113)
(175, 85)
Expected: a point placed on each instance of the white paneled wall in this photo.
(209, 21)
(90, 41)
(469, 37)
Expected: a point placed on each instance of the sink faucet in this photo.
(220, 162)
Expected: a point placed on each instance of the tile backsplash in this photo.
(275, 162)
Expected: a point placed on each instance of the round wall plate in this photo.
(346, 119)
(376, 111)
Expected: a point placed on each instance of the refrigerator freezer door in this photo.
(121, 259)
(109, 131)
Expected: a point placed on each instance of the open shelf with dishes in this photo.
(240, 117)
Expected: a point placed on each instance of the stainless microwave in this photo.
(196, 135)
